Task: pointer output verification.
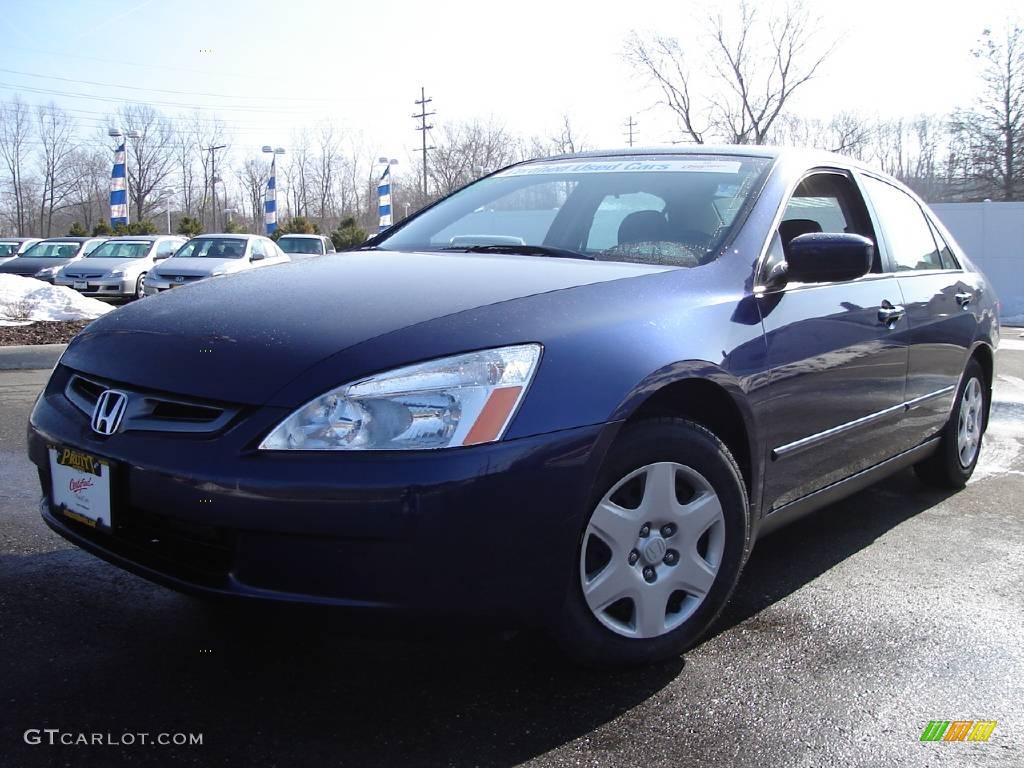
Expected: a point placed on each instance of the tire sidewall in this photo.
(951, 453)
(689, 444)
(139, 292)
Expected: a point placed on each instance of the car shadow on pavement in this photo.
(783, 562)
(89, 648)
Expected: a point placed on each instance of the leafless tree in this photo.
(755, 62)
(846, 132)
(206, 132)
(297, 173)
(151, 157)
(465, 151)
(56, 138)
(89, 198)
(994, 127)
(15, 135)
(254, 176)
(323, 173)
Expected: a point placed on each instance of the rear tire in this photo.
(654, 569)
(953, 463)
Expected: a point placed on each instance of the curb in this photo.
(30, 357)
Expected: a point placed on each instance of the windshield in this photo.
(300, 245)
(8, 249)
(120, 250)
(671, 209)
(52, 251)
(212, 248)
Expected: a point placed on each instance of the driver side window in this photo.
(823, 202)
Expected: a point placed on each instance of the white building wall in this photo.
(992, 236)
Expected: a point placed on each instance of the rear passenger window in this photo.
(907, 232)
(945, 252)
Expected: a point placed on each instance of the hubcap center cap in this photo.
(654, 550)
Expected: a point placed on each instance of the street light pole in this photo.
(167, 193)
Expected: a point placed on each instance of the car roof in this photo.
(18, 239)
(137, 238)
(243, 236)
(808, 155)
(297, 234)
(71, 239)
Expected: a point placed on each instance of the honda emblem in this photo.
(109, 410)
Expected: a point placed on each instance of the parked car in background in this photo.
(11, 247)
(45, 258)
(211, 255)
(305, 246)
(117, 268)
(571, 394)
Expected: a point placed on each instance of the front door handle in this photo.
(963, 298)
(889, 314)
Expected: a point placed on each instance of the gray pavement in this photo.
(849, 632)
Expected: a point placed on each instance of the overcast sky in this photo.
(274, 67)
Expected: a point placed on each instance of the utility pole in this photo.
(630, 126)
(213, 178)
(423, 128)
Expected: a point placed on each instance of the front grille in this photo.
(94, 276)
(183, 278)
(150, 411)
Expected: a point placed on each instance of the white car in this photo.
(305, 246)
(118, 268)
(211, 255)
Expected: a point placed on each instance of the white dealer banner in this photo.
(626, 166)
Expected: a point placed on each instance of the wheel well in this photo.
(709, 405)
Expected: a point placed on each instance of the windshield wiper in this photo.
(525, 250)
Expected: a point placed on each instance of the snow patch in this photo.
(25, 300)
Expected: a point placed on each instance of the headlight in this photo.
(218, 272)
(460, 400)
(117, 273)
(49, 271)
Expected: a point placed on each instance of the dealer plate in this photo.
(81, 486)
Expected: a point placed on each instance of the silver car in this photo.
(118, 268)
(211, 255)
(12, 247)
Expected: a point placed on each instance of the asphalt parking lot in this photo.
(849, 632)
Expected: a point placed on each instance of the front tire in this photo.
(666, 537)
(140, 287)
(953, 463)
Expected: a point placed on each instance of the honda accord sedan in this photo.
(118, 268)
(571, 395)
(210, 256)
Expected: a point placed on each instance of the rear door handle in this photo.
(963, 298)
(889, 314)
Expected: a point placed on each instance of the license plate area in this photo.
(80, 487)
(80, 285)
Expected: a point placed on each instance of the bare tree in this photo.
(151, 156)
(206, 132)
(57, 146)
(254, 176)
(297, 172)
(323, 173)
(754, 65)
(15, 135)
(466, 151)
(845, 132)
(90, 172)
(994, 127)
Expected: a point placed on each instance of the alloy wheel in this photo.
(968, 435)
(652, 550)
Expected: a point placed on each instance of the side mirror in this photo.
(825, 257)
(256, 256)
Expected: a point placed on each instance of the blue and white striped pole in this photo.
(270, 204)
(384, 200)
(118, 190)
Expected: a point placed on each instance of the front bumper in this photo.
(490, 530)
(111, 287)
(155, 285)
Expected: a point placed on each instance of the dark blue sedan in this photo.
(572, 394)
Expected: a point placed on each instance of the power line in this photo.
(423, 128)
(164, 90)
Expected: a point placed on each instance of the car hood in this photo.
(97, 266)
(23, 266)
(200, 267)
(241, 338)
